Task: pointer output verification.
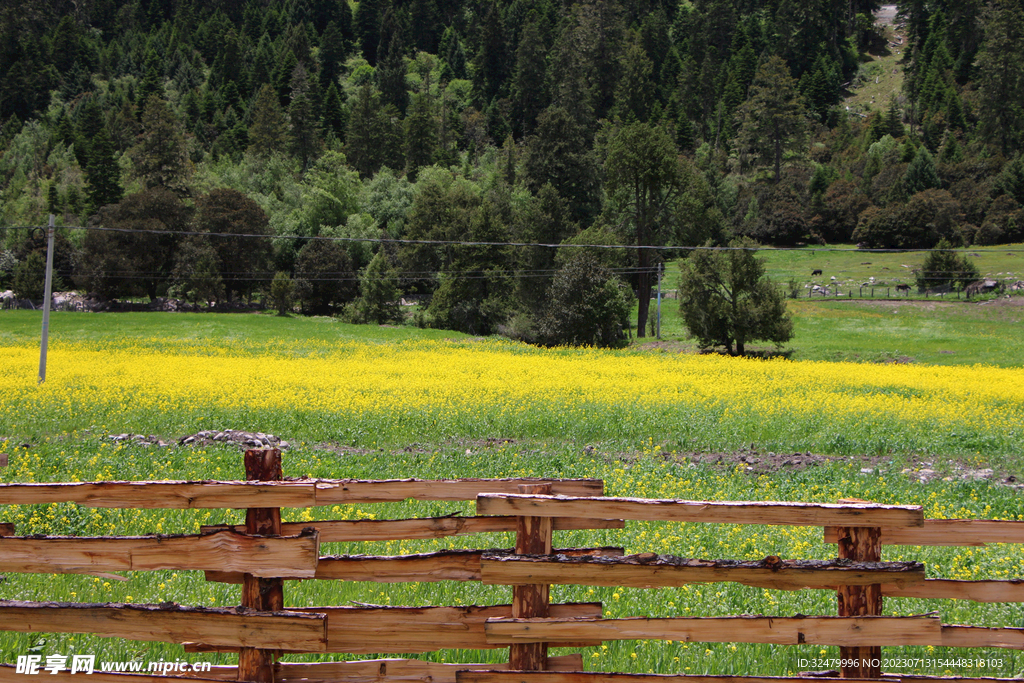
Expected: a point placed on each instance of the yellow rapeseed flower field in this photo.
(508, 389)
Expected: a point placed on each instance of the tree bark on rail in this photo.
(255, 664)
(860, 544)
(533, 537)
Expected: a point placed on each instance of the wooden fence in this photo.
(265, 552)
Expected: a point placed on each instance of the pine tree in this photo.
(420, 135)
(390, 74)
(491, 60)
(367, 29)
(332, 55)
(379, 300)
(772, 121)
(634, 93)
(529, 84)
(305, 123)
(1000, 67)
(269, 130)
(335, 117)
(361, 143)
(102, 173)
(160, 155)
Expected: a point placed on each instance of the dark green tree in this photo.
(379, 297)
(420, 135)
(945, 270)
(560, 155)
(588, 306)
(240, 233)
(282, 291)
(644, 177)
(304, 120)
(160, 156)
(529, 83)
(1000, 68)
(772, 121)
(362, 142)
(324, 279)
(332, 54)
(726, 299)
(269, 130)
(367, 29)
(102, 173)
(196, 273)
(136, 258)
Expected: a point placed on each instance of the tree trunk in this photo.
(643, 292)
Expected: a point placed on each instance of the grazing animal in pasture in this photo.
(903, 288)
(816, 271)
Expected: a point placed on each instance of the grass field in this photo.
(399, 402)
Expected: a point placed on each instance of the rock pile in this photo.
(235, 437)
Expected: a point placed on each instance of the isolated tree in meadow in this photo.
(773, 120)
(282, 290)
(726, 299)
(588, 306)
(644, 177)
(945, 270)
(324, 279)
(379, 300)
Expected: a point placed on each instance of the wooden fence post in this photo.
(533, 537)
(860, 544)
(256, 664)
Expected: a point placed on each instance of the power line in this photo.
(390, 240)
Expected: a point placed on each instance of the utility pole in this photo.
(661, 267)
(46, 302)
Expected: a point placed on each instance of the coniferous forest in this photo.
(206, 145)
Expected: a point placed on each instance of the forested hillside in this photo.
(490, 122)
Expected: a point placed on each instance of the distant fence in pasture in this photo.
(264, 552)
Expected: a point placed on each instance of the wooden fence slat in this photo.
(443, 565)
(603, 677)
(531, 600)
(291, 494)
(227, 550)
(656, 571)
(8, 675)
(950, 532)
(170, 623)
(164, 494)
(774, 630)
(1011, 590)
(981, 636)
(362, 630)
(718, 512)
(6, 529)
(357, 530)
(338, 491)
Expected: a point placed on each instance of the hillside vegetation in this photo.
(207, 147)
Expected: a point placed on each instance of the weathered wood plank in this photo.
(294, 494)
(170, 623)
(950, 532)
(366, 671)
(860, 544)
(981, 636)
(164, 494)
(719, 512)
(743, 629)
(256, 664)
(398, 670)
(361, 630)
(224, 550)
(478, 676)
(531, 601)
(6, 529)
(356, 530)
(1011, 590)
(649, 570)
(3, 460)
(337, 491)
(443, 565)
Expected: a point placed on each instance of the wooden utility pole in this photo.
(47, 295)
(256, 665)
(533, 537)
(860, 544)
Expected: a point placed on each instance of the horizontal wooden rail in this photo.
(365, 671)
(602, 677)
(443, 565)
(1011, 590)
(981, 636)
(950, 532)
(170, 623)
(361, 630)
(848, 631)
(657, 571)
(357, 530)
(283, 494)
(226, 550)
(719, 512)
